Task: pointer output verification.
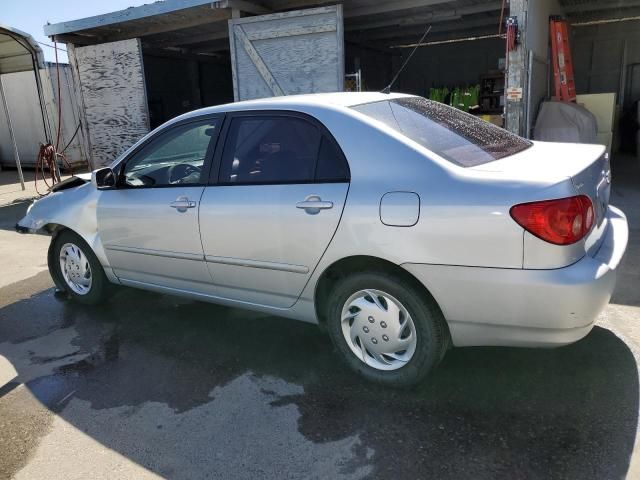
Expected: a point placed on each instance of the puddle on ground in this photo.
(246, 385)
(238, 433)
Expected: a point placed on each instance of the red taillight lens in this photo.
(563, 221)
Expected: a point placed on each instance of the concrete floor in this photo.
(11, 190)
(152, 385)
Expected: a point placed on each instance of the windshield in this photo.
(454, 135)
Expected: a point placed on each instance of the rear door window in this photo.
(279, 149)
(332, 166)
(454, 135)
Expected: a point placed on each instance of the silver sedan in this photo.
(401, 225)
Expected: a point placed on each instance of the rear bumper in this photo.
(516, 307)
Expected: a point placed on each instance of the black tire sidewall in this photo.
(427, 318)
(99, 282)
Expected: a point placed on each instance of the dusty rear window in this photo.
(454, 135)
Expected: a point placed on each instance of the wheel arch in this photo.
(53, 228)
(342, 267)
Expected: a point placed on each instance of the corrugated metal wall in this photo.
(606, 59)
(24, 108)
(26, 116)
(449, 65)
(70, 111)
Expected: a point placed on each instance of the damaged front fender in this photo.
(73, 208)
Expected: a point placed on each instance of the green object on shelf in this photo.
(474, 93)
(438, 94)
(454, 101)
(462, 98)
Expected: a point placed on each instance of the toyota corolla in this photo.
(401, 225)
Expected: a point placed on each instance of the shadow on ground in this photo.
(485, 413)
(11, 213)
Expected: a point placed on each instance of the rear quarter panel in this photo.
(464, 215)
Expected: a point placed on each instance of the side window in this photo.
(175, 157)
(332, 166)
(270, 150)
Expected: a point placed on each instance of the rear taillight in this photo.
(562, 221)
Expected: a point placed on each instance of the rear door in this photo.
(279, 191)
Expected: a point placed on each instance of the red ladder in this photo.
(561, 58)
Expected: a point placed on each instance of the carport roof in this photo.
(19, 52)
(579, 11)
(197, 25)
(200, 26)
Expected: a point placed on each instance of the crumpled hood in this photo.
(72, 182)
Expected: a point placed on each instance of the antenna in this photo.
(387, 89)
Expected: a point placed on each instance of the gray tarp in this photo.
(565, 122)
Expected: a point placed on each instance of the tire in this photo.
(414, 324)
(91, 292)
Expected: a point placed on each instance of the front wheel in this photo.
(385, 328)
(75, 268)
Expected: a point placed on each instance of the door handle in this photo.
(313, 204)
(182, 203)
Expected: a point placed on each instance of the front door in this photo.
(149, 224)
(276, 204)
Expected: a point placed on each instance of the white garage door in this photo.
(287, 53)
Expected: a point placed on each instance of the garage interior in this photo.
(607, 59)
(187, 57)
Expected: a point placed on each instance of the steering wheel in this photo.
(180, 172)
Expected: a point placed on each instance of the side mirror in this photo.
(103, 178)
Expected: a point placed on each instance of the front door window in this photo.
(173, 158)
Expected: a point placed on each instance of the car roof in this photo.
(293, 102)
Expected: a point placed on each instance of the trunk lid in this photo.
(587, 166)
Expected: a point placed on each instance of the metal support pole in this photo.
(527, 104)
(13, 138)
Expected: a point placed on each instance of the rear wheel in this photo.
(75, 268)
(385, 328)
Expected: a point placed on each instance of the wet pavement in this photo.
(150, 385)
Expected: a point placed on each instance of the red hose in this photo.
(48, 153)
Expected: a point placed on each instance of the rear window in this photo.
(454, 135)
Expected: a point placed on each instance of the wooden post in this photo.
(13, 138)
